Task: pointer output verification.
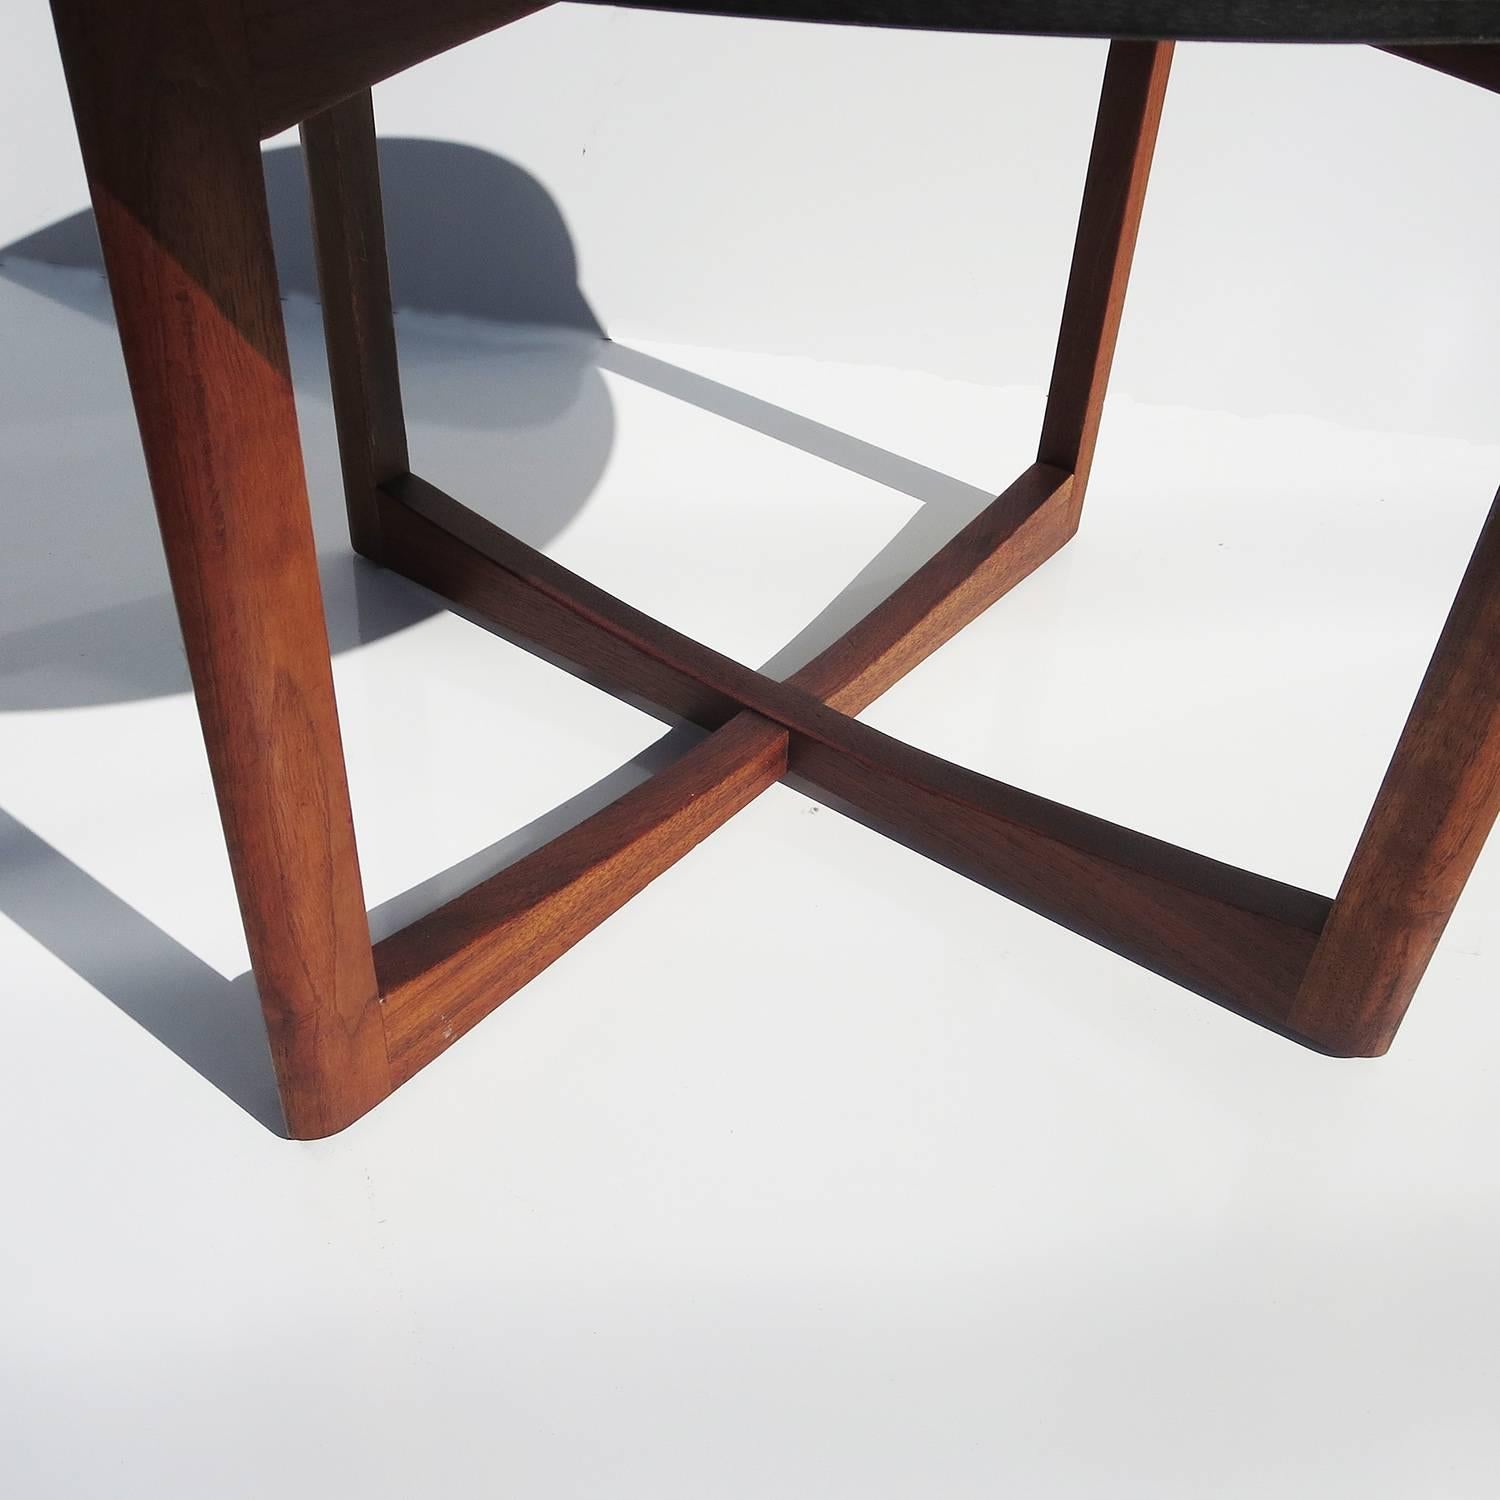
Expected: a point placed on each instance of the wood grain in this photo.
(1237, 937)
(1130, 103)
(170, 101)
(1434, 811)
(443, 545)
(354, 280)
(1005, 543)
(161, 95)
(447, 971)
(497, 566)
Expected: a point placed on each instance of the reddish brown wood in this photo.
(1130, 102)
(443, 973)
(821, 735)
(496, 569)
(1237, 937)
(446, 972)
(1435, 809)
(443, 545)
(161, 95)
(343, 173)
(1005, 543)
(306, 55)
(170, 100)
(1040, 511)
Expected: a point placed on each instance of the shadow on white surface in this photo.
(470, 235)
(86, 619)
(210, 1022)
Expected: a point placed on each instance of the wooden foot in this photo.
(174, 170)
(1435, 809)
(446, 972)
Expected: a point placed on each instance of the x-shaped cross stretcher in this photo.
(175, 174)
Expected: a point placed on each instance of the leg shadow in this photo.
(211, 1023)
(470, 235)
(948, 504)
(85, 613)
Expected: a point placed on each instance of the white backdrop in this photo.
(1319, 238)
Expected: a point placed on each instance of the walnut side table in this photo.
(172, 98)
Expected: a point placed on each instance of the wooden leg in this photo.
(343, 172)
(1130, 101)
(162, 102)
(1436, 806)
(170, 130)
(1039, 513)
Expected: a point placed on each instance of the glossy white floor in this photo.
(819, 1171)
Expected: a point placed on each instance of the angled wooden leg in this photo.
(1130, 101)
(1436, 806)
(1039, 513)
(343, 171)
(160, 91)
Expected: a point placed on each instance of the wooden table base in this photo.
(175, 175)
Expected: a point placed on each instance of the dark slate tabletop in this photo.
(1384, 21)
